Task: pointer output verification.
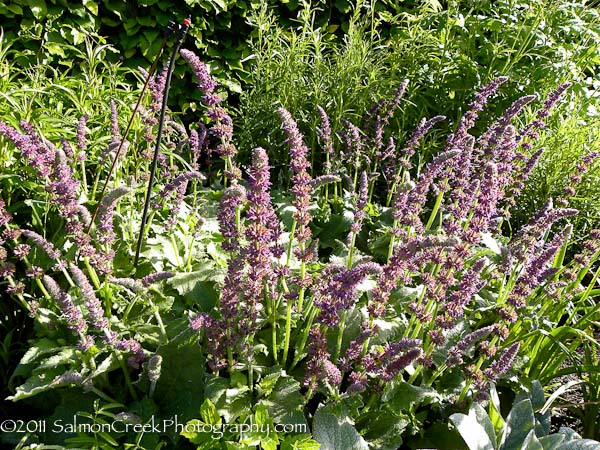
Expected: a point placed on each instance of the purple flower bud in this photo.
(502, 364)
(92, 303)
(65, 303)
(106, 209)
(156, 277)
(81, 127)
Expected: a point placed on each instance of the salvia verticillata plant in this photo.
(378, 288)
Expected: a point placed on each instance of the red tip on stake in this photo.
(187, 22)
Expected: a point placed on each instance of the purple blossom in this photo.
(301, 179)
(233, 199)
(132, 346)
(325, 134)
(5, 217)
(21, 251)
(535, 271)
(154, 368)
(409, 204)
(92, 303)
(205, 81)
(38, 155)
(361, 204)
(81, 129)
(413, 141)
(337, 289)
(456, 353)
(468, 120)
(34, 272)
(128, 283)
(178, 180)
(106, 233)
(470, 284)
(71, 312)
(502, 364)
(322, 180)
(156, 277)
(42, 243)
(197, 139)
(114, 123)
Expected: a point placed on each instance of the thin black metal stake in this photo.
(127, 129)
(182, 32)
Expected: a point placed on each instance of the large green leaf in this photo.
(552, 442)
(198, 287)
(333, 429)
(179, 389)
(519, 423)
(285, 402)
(402, 395)
(531, 442)
(480, 415)
(474, 434)
(580, 444)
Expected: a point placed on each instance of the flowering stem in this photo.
(274, 325)
(288, 315)
(434, 211)
(103, 396)
(340, 337)
(127, 377)
(342, 324)
(468, 382)
(175, 250)
(157, 316)
(12, 283)
(92, 273)
(84, 181)
(309, 321)
(288, 330)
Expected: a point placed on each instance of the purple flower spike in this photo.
(503, 364)
(301, 179)
(106, 232)
(156, 277)
(233, 199)
(81, 127)
(205, 81)
(71, 312)
(92, 303)
(325, 134)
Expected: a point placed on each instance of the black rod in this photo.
(182, 32)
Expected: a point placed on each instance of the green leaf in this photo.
(198, 287)
(532, 442)
(474, 434)
(402, 395)
(179, 388)
(299, 442)
(333, 429)
(383, 428)
(38, 8)
(580, 444)
(209, 413)
(519, 423)
(91, 6)
(193, 432)
(551, 442)
(478, 413)
(37, 384)
(285, 403)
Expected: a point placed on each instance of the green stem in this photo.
(127, 377)
(288, 331)
(436, 207)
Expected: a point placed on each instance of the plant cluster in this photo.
(365, 303)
